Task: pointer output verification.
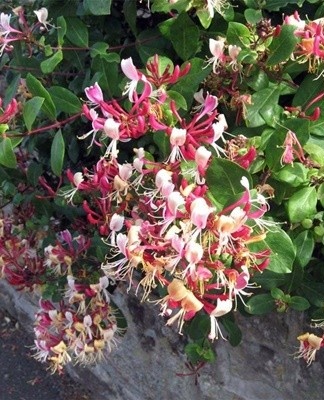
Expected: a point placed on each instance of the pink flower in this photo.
(216, 48)
(222, 307)
(199, 212)
(94, 93)
(135, 76)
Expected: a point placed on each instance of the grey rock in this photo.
(149, 359)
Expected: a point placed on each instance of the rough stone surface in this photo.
(146, 363)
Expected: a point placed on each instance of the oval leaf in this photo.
(260, 304)
(37, 89)
(65, 100)
(224, 180)
(57, 153)
(302, 204)
(282, 250)
(7, 155)
(31, 109)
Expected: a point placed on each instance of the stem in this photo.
(57, 124)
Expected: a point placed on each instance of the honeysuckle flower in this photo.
(111, 130)
(135, 76)
(42, 15)
(309, 345)
(199, 212)
(5, 27)
(177, 139)
(216, 48)
(9, 112)
(193, 253)
(222, 307)
(292, 148)
(233, 52)
(94, 94)
(295, 20)
(216, 5)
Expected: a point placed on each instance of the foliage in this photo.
(172, 149)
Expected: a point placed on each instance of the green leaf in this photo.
(107, 66)
(31, 109)
(283, 45)
(34, 171)
(98, 7)
(199, 327)
(263, 103)
(315, 152)
(320, 193)
(178, 98)
(163, 142)
(295, 175)
(304, 244)
(269, 279)
(238, 34)
(197, 352)
(234, 332)
(37, 89)
(189, 84)
(299, 303)
(253, 16)
(99, 48)
(302, 204)
(77, 32)
(282, 250)
(260, 304)
(7, 155)
(61, 30)
(185, 36)
(314, 292)
(224, 180)
(48, 66)
(57, 153)
(277, 293)
(65, 100)
(307, 91)
(130, 13)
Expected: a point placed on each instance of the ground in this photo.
(24, 378)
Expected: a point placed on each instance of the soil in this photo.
(24, 378)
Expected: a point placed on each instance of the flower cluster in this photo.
(24, 31)
(157, 217)
(82, 328)
(311, 46)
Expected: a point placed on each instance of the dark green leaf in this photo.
(65, 100)
(314, 292)
(269, 279)
(34, 171)
(224, 180)
(260, 304)
(304, 244)
(37, 89)
(299, 303)
(263, 102)
(234, 332)
(57, 153)
(130, 13)
(77, 32)
(31, 109)
(283, 45)
(98, 7)
(185, 37)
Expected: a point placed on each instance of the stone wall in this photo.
(147, 360)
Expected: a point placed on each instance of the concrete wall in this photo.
(145, 364)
